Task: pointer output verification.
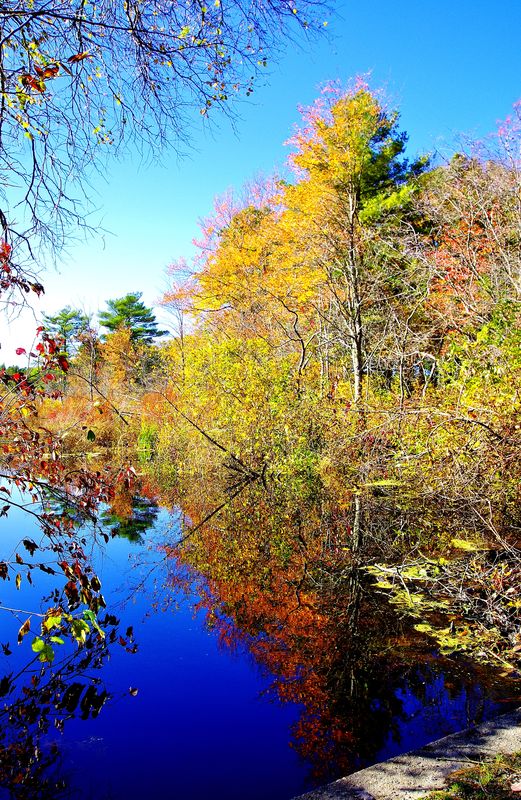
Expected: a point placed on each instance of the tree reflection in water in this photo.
(287, 583)
(129, 515)
(62, 680)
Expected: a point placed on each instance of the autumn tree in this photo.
(317, 264)
(242, 283)
(128, 359)
(472, 242)
(470, 247)
(353, 178)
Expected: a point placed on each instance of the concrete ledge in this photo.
(414, 774)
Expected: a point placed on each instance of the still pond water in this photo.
(232, 686)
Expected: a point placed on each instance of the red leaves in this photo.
(50, 71)
(30, 82)
(10, 277)
(5, 251)
(52, 347)
(72, 594)
(37, 83)
(64, 364)
(50, 360)
(9, 274)
(126, 476)
(49, 347)
(79, 57)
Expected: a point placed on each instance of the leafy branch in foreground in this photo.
(59, 683)
(36, 479)
(78, 77)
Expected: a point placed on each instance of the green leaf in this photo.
(91, 617)
(79, 629)
(91, 436)
(46, 653)
(53, 621)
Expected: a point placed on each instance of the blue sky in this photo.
(450, 67)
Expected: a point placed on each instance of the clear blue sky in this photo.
(450, 67)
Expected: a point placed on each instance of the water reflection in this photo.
(270, 595)
(288, 584)
(38, 700)
(129, 516)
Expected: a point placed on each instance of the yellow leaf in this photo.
(462, 544)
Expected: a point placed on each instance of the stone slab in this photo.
(414, 774)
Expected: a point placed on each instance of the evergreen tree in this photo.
(68, 324)
(131, 313)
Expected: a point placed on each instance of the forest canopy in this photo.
(350, 318)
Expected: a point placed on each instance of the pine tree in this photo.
(131, 313)
(67, 324)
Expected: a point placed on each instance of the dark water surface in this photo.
(245, 689)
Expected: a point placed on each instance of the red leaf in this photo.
(64, 364)
(20, 351)
(33, 83)
(5, 250)
(50, 71)
(79, 57)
